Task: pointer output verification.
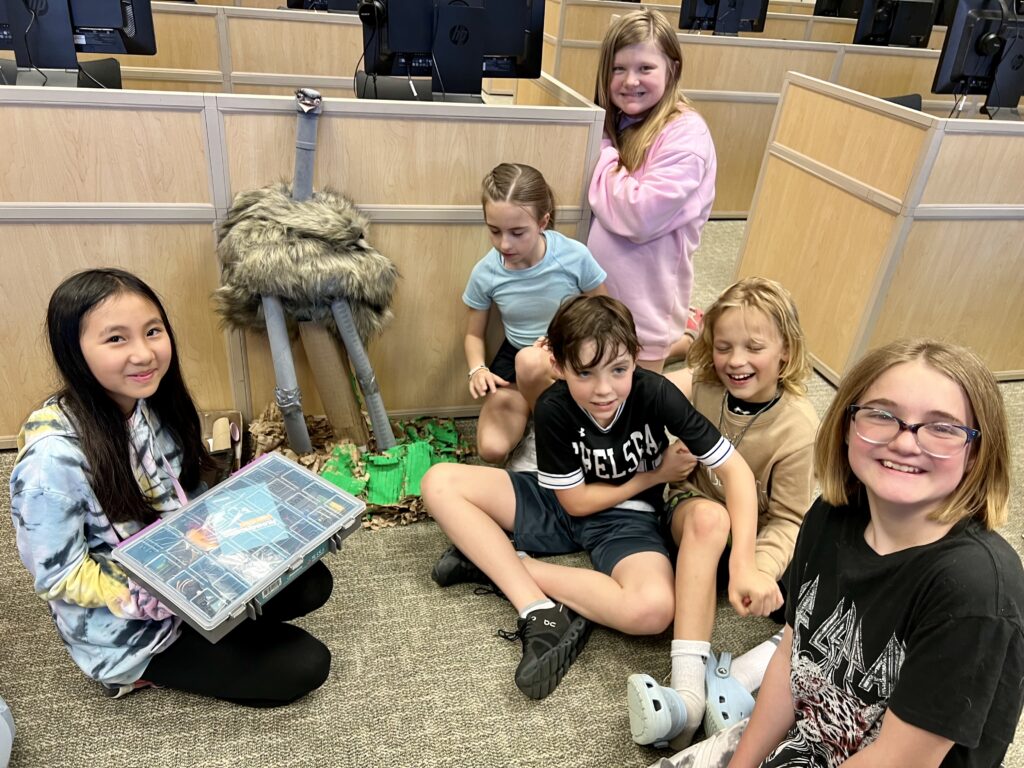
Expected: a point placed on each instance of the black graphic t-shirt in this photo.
(934, 633)
(573, 449)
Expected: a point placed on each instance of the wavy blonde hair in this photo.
(774, 301)
(984, 490)
(631, 29)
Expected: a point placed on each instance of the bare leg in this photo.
(680, 348)
(533, 373)
(635, 599)
(701, 529)
(501, 424)
(475, 506)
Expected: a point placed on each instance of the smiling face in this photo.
(602, 388)
(899, 477)
(515, 233)
(126, 346)
(639, 76)
(748, 353)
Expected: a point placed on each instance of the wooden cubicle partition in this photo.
(885, 222)
(229, 49)
(140, 180)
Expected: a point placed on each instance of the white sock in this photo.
(689, 661)
(749, 668)
(536, 605)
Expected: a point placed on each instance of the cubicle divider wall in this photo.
(246, 50)
(885, 222)
(140, 180)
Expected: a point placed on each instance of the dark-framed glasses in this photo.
(938, 439)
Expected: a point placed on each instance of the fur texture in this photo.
(307, 254)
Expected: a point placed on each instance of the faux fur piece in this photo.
(307, 254)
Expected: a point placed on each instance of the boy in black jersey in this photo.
(603, 460)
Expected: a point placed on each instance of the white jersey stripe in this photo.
(718, 455)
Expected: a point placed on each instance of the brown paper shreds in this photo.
(268, 434)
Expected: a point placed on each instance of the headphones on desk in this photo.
(372, 12)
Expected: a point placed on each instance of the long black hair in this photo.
(100, 423)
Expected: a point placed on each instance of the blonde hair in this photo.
(521, 185)
(774, 301)
(984, 490)
(631, 29)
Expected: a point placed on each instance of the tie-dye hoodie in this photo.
(110, 625)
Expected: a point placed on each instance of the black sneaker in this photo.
(453, 567)
(552, 639)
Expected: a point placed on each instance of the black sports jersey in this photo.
(572, 448)
(933, 633)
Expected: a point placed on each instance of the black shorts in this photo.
(504, 362)
(543, 527)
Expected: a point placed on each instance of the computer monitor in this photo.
(894, 22)
(455, 42)
(846, 9)
(724, 17)
(983, 53)
(6, 41)
(48, 34)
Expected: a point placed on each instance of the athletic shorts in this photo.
(504, 362)
(543, 527)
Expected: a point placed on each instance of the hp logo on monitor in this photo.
(459, 34)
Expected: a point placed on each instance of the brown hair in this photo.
(631, 29)
(775, 302)
(984, 490)
(521, 185)
(601, 319)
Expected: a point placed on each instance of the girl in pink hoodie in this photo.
(654, 183)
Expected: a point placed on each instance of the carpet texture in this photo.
(418, 676)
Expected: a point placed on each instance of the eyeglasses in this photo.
(936, 438)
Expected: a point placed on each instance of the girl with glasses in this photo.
(904, 643)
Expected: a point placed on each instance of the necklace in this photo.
(739, 438)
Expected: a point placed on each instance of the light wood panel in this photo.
(870, 69)
(308, 45)
(409, 161)
(828, 258)
(781, 27)
(103, 155)
(740, 131)
(978, 169)
(590, 21)
(552, 13)
(183, 41)
(175, 259)
(130, 83)
(826, 30)
(873, 148)
(960, 280)
(289, 90)
(781, 6)
(736, 66)
(578, 68)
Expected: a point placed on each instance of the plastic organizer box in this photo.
(218, 559)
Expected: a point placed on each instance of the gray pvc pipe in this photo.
(309, 106)
(286, 393)
(364, 373)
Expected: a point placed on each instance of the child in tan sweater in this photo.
(747, 377)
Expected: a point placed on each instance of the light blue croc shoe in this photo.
(728, 701)
(656, 712)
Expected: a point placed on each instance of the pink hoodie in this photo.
(647, 225)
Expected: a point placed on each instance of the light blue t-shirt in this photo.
(528, 298)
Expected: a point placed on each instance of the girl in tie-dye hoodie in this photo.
(102, 458)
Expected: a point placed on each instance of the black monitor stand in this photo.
(458, 53)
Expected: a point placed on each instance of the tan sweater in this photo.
(778, 447)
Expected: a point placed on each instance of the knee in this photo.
(651, 611)
(439, 481)
(532, 365)
(705, 523)
(492, 448)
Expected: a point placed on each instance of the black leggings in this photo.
(261, 663)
